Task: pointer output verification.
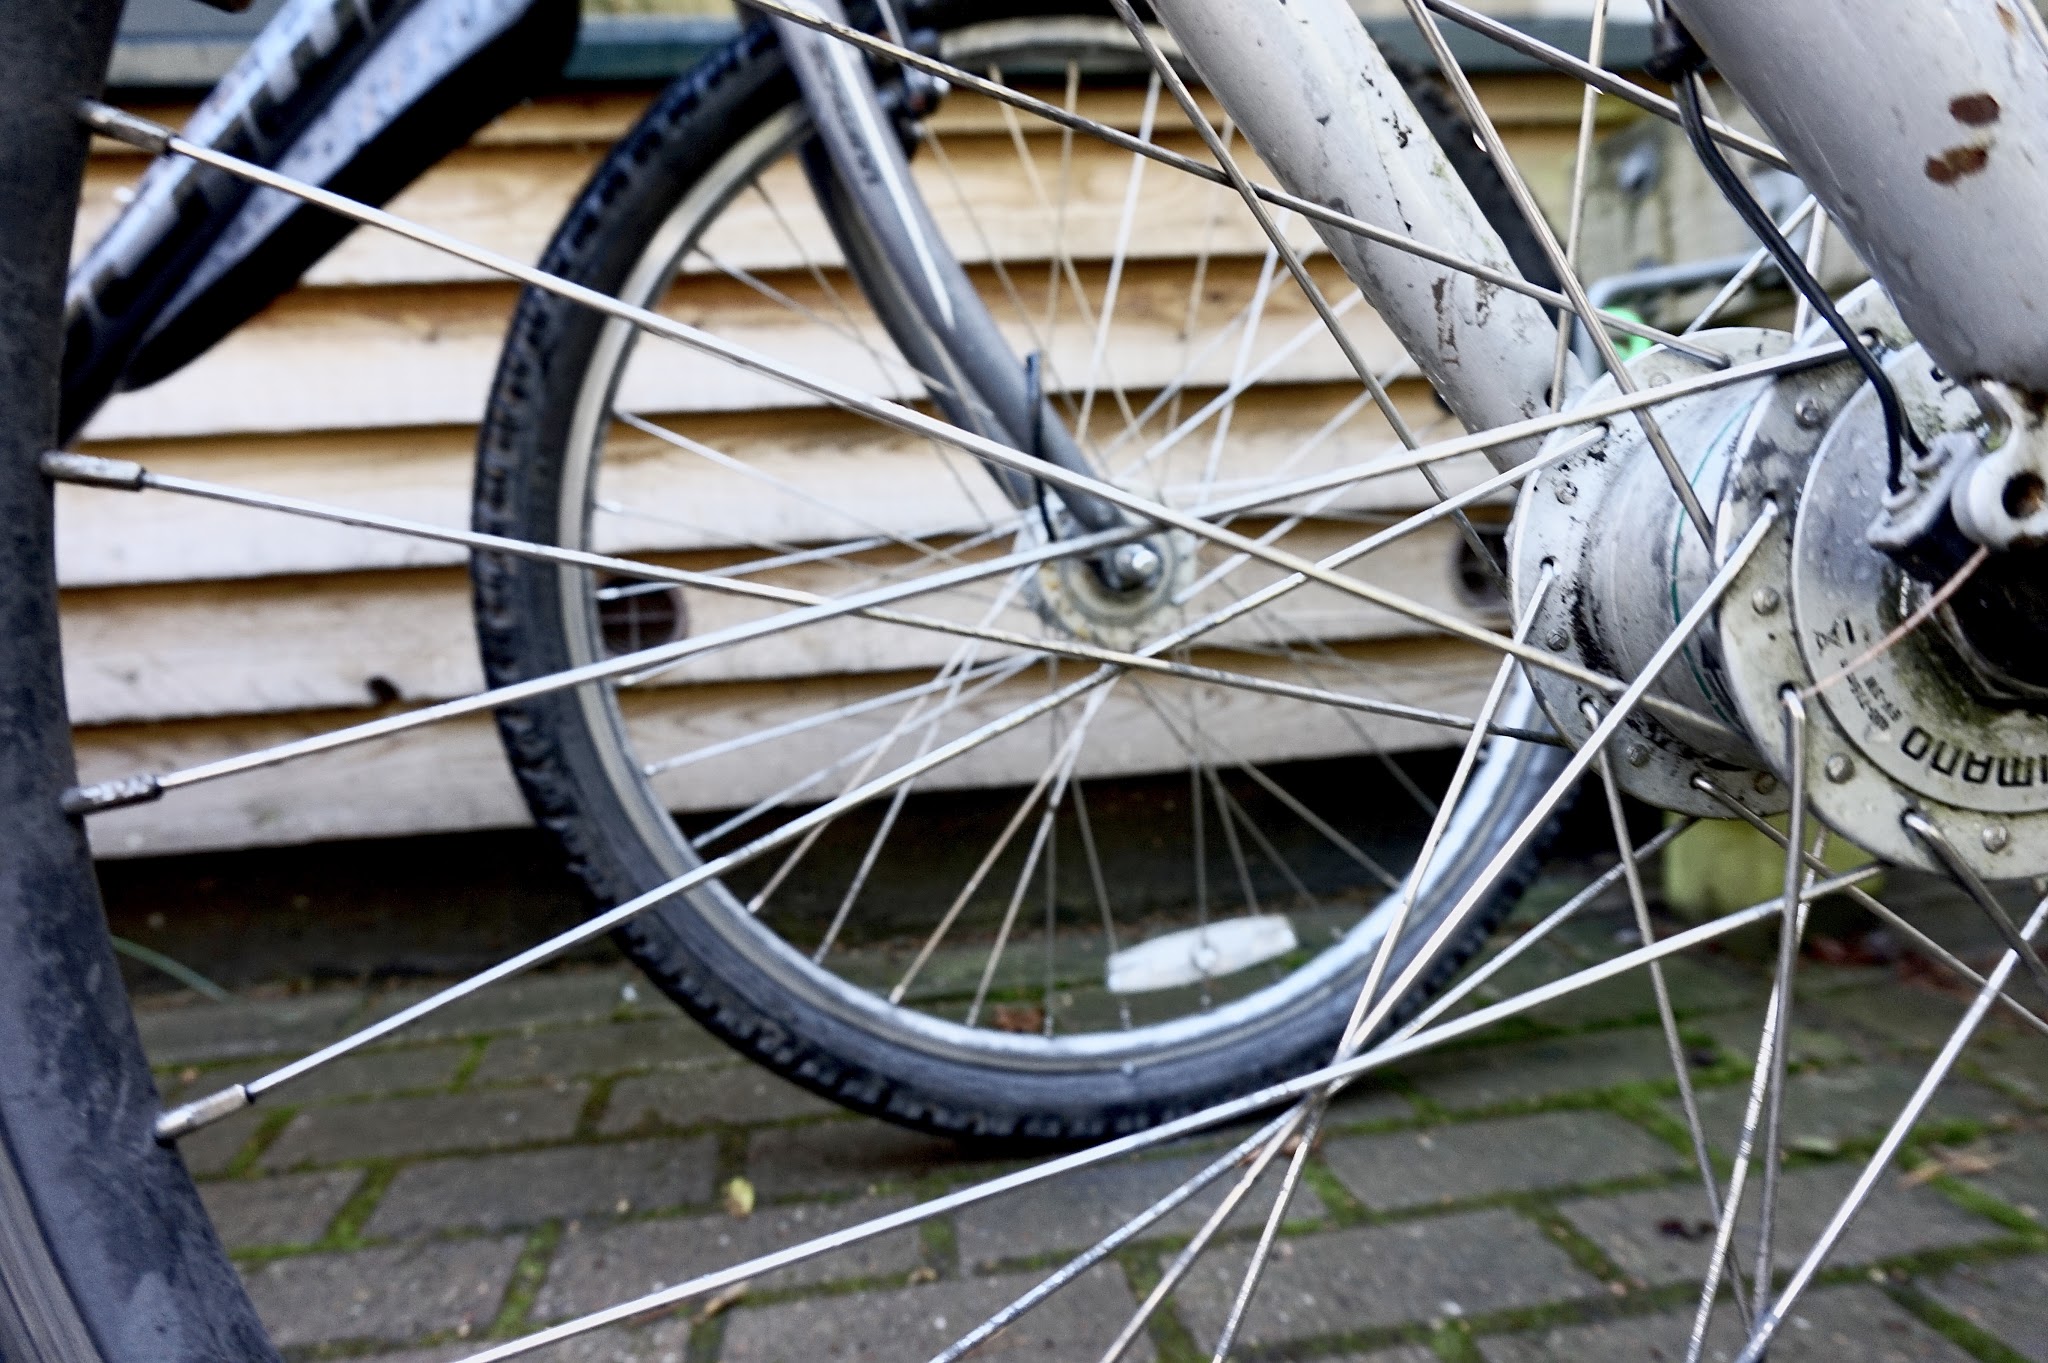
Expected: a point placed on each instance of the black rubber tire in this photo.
(106, 1254)
(712, 959)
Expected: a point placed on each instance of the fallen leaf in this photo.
(923, 1273)
(1019, 1017)
(721, 1300)
(739, 1199)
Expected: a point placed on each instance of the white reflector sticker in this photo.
(1195, 954)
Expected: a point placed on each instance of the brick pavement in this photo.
(567, 1146)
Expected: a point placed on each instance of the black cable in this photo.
(1897, 432)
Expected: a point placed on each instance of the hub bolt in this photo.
(1765, 600)
(1840, 768)
(1638, 754)
(1764, 782)
(1995, 837)
(1138, 565)
(1809, 413)
(1557, 640)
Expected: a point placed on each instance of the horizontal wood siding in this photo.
(195, 629)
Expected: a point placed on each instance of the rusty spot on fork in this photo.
(1974, 109)
(1957, 162)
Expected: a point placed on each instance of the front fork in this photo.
(1362, 145)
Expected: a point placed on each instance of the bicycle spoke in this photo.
(1581, 305)
(1667, 1017)
(1109, 1244)
(1888, 1148)
(1575, 218)
(1220, 1114)
(1279, 198)
(1776, 1040)
(1106, 314)
(1758, 259)
(1064, 759)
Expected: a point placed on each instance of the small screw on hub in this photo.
(1637, 755)
(1765, 600)
(1995, 837)
(1809, 413)
(1557, 640)
(1839, 768)
(1137, 565)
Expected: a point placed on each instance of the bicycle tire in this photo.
(106, 1253)
(699, 951)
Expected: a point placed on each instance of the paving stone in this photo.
(1663, 1235)
(1909, 1017)
(211, 1149)
(2019, 1170)
(2018, 1063)
(362, 1075)
(1824, 1108)
(665, 1341)
(1739, 1034)
(1696, 987)
(558, 998)
(1371, 1099)
(736, 1094)
(290, 1209)
(2005, 1299)
(917, 1322)
(1476, 1159)
(836, 1156)
(1320, 1285)
(597, 1266)
(608, 1048)
(1828, 1326)
(1528, 1071)
(424, 1126)
(389, 1295)
(228, 1031)
(1073, 1212)
(496, 1192)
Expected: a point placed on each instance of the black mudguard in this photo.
(357, 96)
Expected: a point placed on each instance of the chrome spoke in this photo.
(1667, 1016)
(1064, 758)
(1105, 315)
(1589, 111)
(1581, 305)
(1066, 118)
(1887, 1149)
(1758, 259)
(1776, 1046)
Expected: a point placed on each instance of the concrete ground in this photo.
(567, 1141)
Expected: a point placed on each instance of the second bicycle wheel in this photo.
(1149, 898)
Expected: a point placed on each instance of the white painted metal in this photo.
(1312, 94)
(1208, 952)
(1925, 135)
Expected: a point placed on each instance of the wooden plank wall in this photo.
(193, 630)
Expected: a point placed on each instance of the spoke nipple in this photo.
(1994, 837)
(128, 790)
(1839, 768)
(93, 471)
(1809, 413)
(1637, 754)
(185, 1119)
(1765, 600)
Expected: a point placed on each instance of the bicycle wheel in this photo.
(876, 999)
(1677, 666)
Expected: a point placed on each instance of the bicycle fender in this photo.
(356, 96)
